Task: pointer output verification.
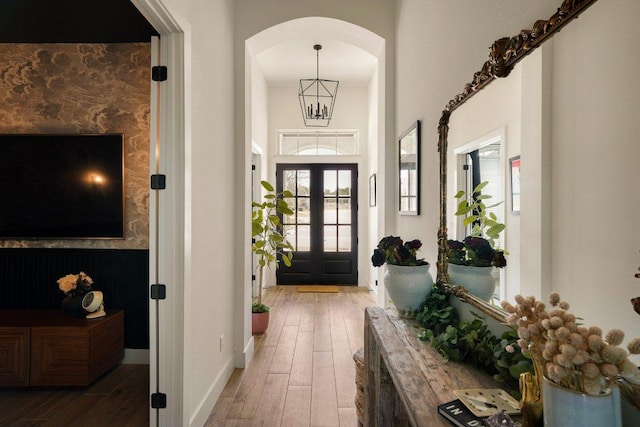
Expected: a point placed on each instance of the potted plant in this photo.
(407, 278)
(269, 244)
(75, 287)
(471, 261)
(576, 367)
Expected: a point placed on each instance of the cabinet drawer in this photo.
(14, 356)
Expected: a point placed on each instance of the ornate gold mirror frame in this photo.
(504, 54)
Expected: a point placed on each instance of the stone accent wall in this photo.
(84, 88)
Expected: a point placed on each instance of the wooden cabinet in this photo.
(14, 356)
(404, 378)
(43, 348)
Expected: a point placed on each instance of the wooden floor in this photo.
(120, 398)
(302, 373)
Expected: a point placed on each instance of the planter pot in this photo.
(259, 323)
(479, 281)
(73, 306)
(408, 286)
(568, 408)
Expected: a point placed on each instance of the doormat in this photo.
(319, 289)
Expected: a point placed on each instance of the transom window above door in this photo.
(305, 142)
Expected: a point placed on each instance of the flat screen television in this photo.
(61, 186)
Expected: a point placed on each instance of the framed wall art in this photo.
(514, 168)
(372, 190)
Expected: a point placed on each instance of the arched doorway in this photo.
(261, 130)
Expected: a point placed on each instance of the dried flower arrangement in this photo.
(572, 355)
(75, 284)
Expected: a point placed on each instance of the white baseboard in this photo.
(135, 356)
(239, 360)
(206, 405)
(242, 359)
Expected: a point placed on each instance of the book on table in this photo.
(458, 414)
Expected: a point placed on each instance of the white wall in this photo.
(350, 112)
(440, 44)
(595, 152)
(209, 285)
(375, 213)
(260, 111)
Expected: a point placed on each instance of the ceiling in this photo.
(72, 21)
(286, 63)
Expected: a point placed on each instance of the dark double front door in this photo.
(323, 227)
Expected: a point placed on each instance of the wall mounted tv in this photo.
(61, 186)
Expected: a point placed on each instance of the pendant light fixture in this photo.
(317, 97)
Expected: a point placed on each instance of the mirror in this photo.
(505, 55)
(409, 170)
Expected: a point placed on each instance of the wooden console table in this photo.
(43, 348)
(405, 379)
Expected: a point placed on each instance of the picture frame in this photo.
(409, 170)
(514, 170)
(372, 190)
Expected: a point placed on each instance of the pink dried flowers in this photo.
(569, 354)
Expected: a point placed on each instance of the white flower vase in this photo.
(408, 286)
(479, 281)
(568, 408)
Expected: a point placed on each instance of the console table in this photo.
(404, 378)
(44, 348)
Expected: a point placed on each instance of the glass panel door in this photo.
(323, 227)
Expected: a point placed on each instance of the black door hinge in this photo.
(465, 167)
(158, 291)
(253, 277)
(158, 400)
(159, 73)
(158, 182)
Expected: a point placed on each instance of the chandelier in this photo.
(317, 97)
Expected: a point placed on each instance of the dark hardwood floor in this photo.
(120, 398)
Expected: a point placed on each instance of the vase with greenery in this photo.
(407, 278)
(270, 244)
(471, 260)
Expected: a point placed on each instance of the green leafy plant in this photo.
(478, 249)
(259, 308)
(471, 341)
(475, 211)
(468, 341)
(510, 362)
(437, 313)
(269, 240)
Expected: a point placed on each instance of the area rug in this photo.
(319, 289)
